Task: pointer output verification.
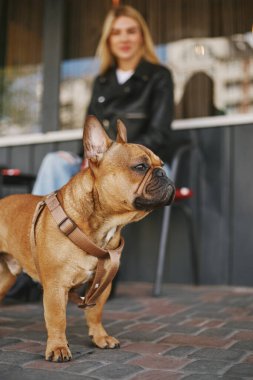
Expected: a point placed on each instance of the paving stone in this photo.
(82, 349)
(111, 355)
(30, 335)
(216, 307)
(122, 315)
(17, 358)
(143, 336)
(8, 341)
(198, 341)
(243, 335)
(206, 366)
(145, 326)
(157, 375)
(246, 345)
(249, 359)
(213, 323)
(6, 332)
(210, 315)
(191, 342)
(118, 328)
(160, 362)
(172, 328)
(195, 322)
(201, 377)
(13, 323)
(28, 346)
(84, 367)
(239, 325)
(241, 369)
(8, 371)
(218, 354)
(179, 318)
(24, 311)
(83, 341)
(209, 377)
(46, 365)
(234, 378)
(240, 301)
(182, 351)
(223, 332)
(148, 318)
(146, 348)
(115, 371)
(16, 373)
(79, 329)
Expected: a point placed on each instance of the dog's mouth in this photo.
(160, 191)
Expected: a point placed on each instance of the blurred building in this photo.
(47, 55)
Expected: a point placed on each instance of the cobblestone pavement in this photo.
(190, 333)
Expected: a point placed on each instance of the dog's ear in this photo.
(95, 140)
(122, 132)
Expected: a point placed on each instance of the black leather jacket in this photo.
(144, 103)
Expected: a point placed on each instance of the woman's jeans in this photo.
(55, 171)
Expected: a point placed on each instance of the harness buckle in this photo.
(67, 226)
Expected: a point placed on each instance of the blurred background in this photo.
(210, 37)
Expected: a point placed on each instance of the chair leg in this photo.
(193, 241)
(162, 251)
(163, 243)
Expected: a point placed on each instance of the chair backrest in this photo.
(176, 160)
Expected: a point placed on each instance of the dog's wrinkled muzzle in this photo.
(155, 190)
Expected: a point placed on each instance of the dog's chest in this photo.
(85, 266)
(81, 269)
(110, 234)
(82, 276)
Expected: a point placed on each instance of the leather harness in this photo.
(102, 277)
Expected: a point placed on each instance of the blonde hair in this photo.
(103, 51)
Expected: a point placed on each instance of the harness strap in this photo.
(102, 276)
(39, 208)
(70, 229)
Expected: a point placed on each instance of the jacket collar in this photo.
(143, 71)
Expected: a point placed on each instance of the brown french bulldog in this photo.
(122, 184)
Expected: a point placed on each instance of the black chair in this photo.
(181, 194)
(14, 178)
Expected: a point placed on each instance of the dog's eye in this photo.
(141, 167)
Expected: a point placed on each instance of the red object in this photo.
(183, 193)
(11, 172)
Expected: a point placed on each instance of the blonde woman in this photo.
(132, 86)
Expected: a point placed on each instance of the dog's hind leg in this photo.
(7, 278)
(94, 321)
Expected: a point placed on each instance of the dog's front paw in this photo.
(58, 353)
(105, 341)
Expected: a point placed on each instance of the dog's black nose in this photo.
(159, 172)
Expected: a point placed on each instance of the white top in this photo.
(123, 76)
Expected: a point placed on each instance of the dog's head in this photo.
(127, 176)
